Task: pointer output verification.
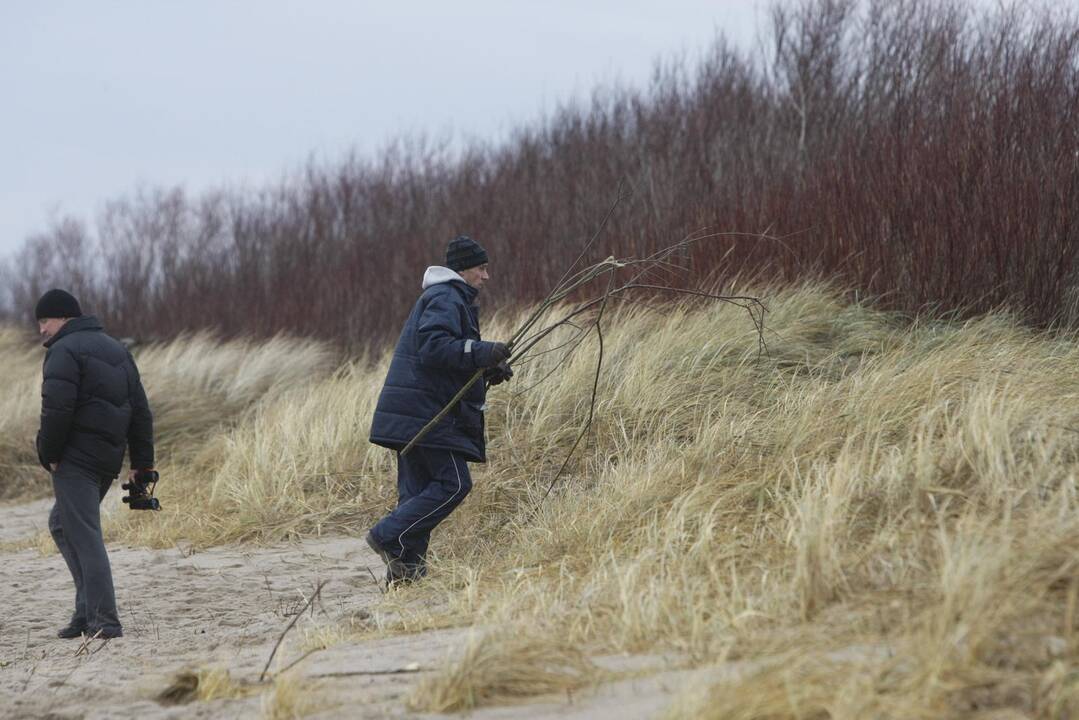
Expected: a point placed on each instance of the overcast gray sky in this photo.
(100, 97)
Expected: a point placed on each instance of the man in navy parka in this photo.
(438, 352)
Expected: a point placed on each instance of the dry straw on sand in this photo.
(505, 666)
(876, 519)
(205, 684)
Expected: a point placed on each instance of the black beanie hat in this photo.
(464, 253)
(57, 304)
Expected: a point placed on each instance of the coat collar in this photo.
(438, 275)
(79, 324)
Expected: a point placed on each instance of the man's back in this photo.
(92, 408)
(93, 403)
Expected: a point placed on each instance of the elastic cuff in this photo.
(481, 354)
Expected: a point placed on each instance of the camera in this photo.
(140, 491)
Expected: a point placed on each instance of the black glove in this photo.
(499, 353)
(498, 374)
(490, 354)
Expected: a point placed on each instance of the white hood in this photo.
(437, 274)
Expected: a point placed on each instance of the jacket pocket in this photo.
(470, 416)
(40, 459)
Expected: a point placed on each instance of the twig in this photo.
(745, 302)
(86, 643)
(559, 294)
(591, 407)
(354, 673)
(318, 591)
(581, 332)
(299, 660)
(575, 342)
(621, 195)
(29, 677)
(377, 583)
(571, 281)
(738, 300)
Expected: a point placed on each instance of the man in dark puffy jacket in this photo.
(438, 352)
(93, 406)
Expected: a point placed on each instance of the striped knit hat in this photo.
(464, 253)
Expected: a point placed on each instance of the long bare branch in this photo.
(598, 326)
(310, 601)
(524, 340)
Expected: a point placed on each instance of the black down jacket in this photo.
(438, 351)
(93, 405)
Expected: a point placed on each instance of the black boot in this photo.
(105, 634)
(71, 631)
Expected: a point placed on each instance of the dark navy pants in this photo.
(75, 525)
(430, 484)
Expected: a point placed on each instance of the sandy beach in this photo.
(225, 608)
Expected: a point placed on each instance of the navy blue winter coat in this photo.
(438, 352)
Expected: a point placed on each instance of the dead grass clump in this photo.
(504, 666)
(786, 687)
(292, 697)
(204, 684)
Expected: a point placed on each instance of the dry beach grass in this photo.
(875, 519)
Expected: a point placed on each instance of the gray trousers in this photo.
(75, 524)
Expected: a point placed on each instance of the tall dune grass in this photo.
(196, 386)
(875, 519)
(20, 407)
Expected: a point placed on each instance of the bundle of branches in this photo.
(584, 294)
